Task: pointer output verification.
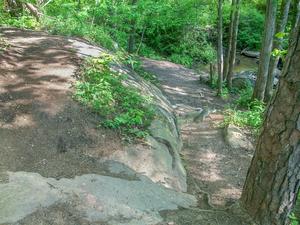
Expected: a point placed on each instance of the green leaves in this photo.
(250, 113)
(122, 107)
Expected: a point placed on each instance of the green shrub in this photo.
(23, 21)
(245, 97)
(122, 107)
(245, 112)
(251, 28)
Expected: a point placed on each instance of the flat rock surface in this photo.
(94, 198)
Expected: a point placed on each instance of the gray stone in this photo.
(160, 154)
(94, 198)
(237, 139)
(244, 79)
(251, 54)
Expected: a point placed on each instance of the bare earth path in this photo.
(216, 172)
(41, 129)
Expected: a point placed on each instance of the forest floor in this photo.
(43, 131)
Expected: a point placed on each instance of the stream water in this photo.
(243, 63)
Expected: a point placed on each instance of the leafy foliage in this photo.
(122, 107)
(250, 28)
(245, 112)
(181, 31)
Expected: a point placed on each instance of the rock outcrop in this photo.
(158, 158)
(28, 198)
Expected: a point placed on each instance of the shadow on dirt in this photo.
(42, 129)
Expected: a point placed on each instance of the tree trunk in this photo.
(14, 7)
(284, 13)
(212, 71)
(273, 180)
(220, 48)
(294, 12)
(131, 38)
(227, 59)
(234, 42)
(265, 54)
(33, 10)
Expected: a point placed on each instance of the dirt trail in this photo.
(43, 131)
(41, 128)
(214, 169)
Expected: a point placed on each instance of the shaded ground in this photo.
(41, 128)
(54, 149)
(216, 172)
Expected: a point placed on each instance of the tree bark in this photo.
(284, 13)
(227, 59)
(234, 43)
(220, 47)
(33, 10)
(265, 54)
(131, 38)
(273, 180)
(212, 71)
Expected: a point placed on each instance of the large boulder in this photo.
(158, 157)
(28, 198)
(251, 54)
(244, 79)
(247, 78)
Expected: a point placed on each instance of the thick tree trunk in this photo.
(227, 59)
(234, 42)
(273, 179)
(284, 14)
(265, 54)
(131, 38)
(220, 47)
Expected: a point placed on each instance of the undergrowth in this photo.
(245, 112)
(123, 108)
(295, 216)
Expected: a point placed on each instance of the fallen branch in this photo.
(33, 10)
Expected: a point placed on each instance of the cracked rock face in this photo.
(29, 198)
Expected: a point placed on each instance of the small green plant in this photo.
(245, 112)
(295, 216)
(293, 219)
(245, 97)
(122, 107)
(185, 60)
(24, 21)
